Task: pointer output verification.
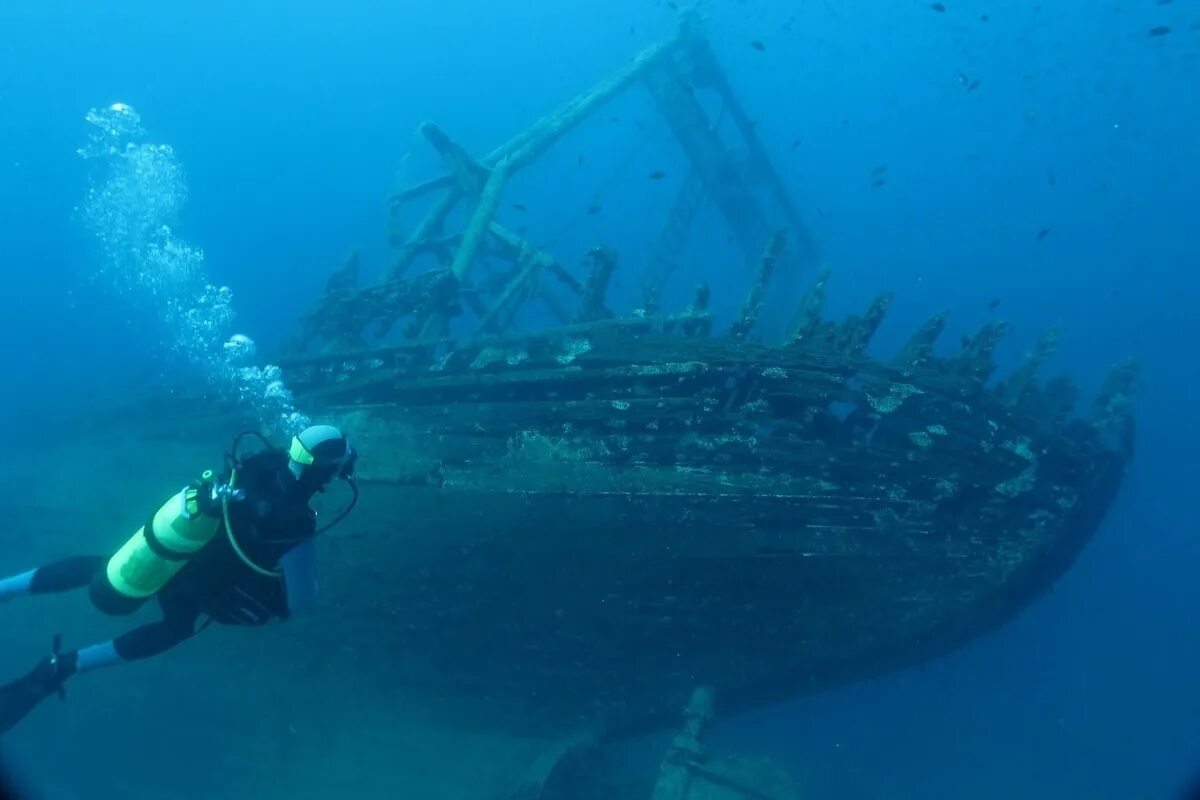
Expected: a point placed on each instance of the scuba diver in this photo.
(237, 550)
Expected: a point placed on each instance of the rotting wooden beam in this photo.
(1023, 379)
(428, 228)
(919, 347)
(709, 157)
(658, 66)
(536, 139)
(473, 180)
(664, 254)
(752, 305)
(525, 292)
(341, 315)
(466, 180)
(698, 320)
(419, 190)
(528, 269)
(808, 314)
(516, 245)
(666, 69)
(469, 174)
(805, 245)
(515, 248)
(857, 332)
(489, 199)
(976, 359)
(602, 262)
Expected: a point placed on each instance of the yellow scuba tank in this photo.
(159, 549)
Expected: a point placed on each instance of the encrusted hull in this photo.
(560, 544)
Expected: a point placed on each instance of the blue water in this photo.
(294, 120)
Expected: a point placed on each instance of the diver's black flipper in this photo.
(23, 695)
(19, 698)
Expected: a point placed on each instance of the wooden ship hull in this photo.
(575, 526)
(586, 543)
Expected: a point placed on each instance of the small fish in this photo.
(969, 84)
(993, 304)
(1051, 178)
(594, 209)
(579, 161)
(878, 182)
(520, 206)
(795, 144)
(878, 171)
(1161, 30)
(521, 230)
(1043, 233)
(1164, 2)
(672, 6)
(757, 45)
(823, 212)
(938, 7)
(984, 18)
(657, 175)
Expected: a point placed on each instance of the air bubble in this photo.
(131, 209)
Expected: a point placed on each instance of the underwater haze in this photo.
(1035, 162)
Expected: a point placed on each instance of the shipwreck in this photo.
(572, 525)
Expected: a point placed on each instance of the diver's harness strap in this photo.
(237, 548)
(157, 547)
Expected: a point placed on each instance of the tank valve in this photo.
(222, 491)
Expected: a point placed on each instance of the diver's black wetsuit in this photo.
(259, 565)
(215, 583)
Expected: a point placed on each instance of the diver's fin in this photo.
(17, 699)
(23, 695)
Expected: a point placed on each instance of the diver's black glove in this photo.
(52, 671)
